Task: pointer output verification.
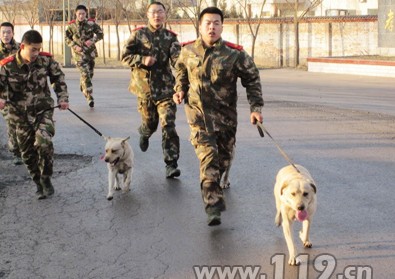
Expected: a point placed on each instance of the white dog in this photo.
(119, 159)
(295, 194)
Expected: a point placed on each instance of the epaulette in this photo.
(7, 60)
(43, 53)
(73, 21)
(171, 31)
(92, 19)
(187, 43)
(234, 46)
(138, 28)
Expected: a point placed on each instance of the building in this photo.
(284, 8)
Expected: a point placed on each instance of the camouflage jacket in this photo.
(78, 32)
(157, 81)
(209, 76)
(5, 52)
(26, 86)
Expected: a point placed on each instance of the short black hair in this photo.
(156, 3)
(7, 24)
(32, 37)
(81, 7)
(211, 10)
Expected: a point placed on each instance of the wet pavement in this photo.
(340, 127)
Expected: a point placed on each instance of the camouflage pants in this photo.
(12, 142)
(164, 111)
(86, 67)
(35, 143)
(214, 151)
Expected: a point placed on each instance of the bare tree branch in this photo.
(10, 9)
(294, 5)
(29, 11)
(248, 15)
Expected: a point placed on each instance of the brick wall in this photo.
(319, 37)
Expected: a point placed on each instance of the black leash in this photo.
(262, 130)
(40, 114)
(80, 118)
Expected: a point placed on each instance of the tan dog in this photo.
(295, 194)
(225, 182)
(119, 159)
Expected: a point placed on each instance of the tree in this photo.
(191, 10)
(10, 9)
(246, 9)
(297, 16)
(29, 11)
(49, 9)
(116, 12)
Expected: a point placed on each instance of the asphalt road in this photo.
(340, 127)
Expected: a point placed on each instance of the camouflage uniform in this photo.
(209, 76)
(154, 85)
(5, 52)
(77, 33)
(26, 90)
(12, 141)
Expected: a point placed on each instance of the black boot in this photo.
(47, 185)
(172, 171)
(40, 192)
(144, 143)
(214, 213)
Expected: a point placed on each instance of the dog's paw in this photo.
(125, 190)
(225, 185)
(109, 198)
(293, 261)
(305, 240)
(117, 188)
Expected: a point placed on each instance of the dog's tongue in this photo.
(301, 215)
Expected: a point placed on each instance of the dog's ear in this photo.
(125, 139)
(285, 185)
(314, 188)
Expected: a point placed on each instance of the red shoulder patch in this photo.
(138, 28)
(7, 60)
(43, 53)
(71, 22)
(187, 43)
(234, 46)
(171, 31)
(92, 19)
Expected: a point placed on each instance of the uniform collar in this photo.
(80, 22)
(12, 43)
(152, 29)
(20, 62)
(217, 45)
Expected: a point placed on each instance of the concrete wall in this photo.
(319, 37)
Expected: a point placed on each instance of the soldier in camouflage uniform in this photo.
(9, 46)
(81, 35)
(24, 90)
(206, 77)
(149, 52)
